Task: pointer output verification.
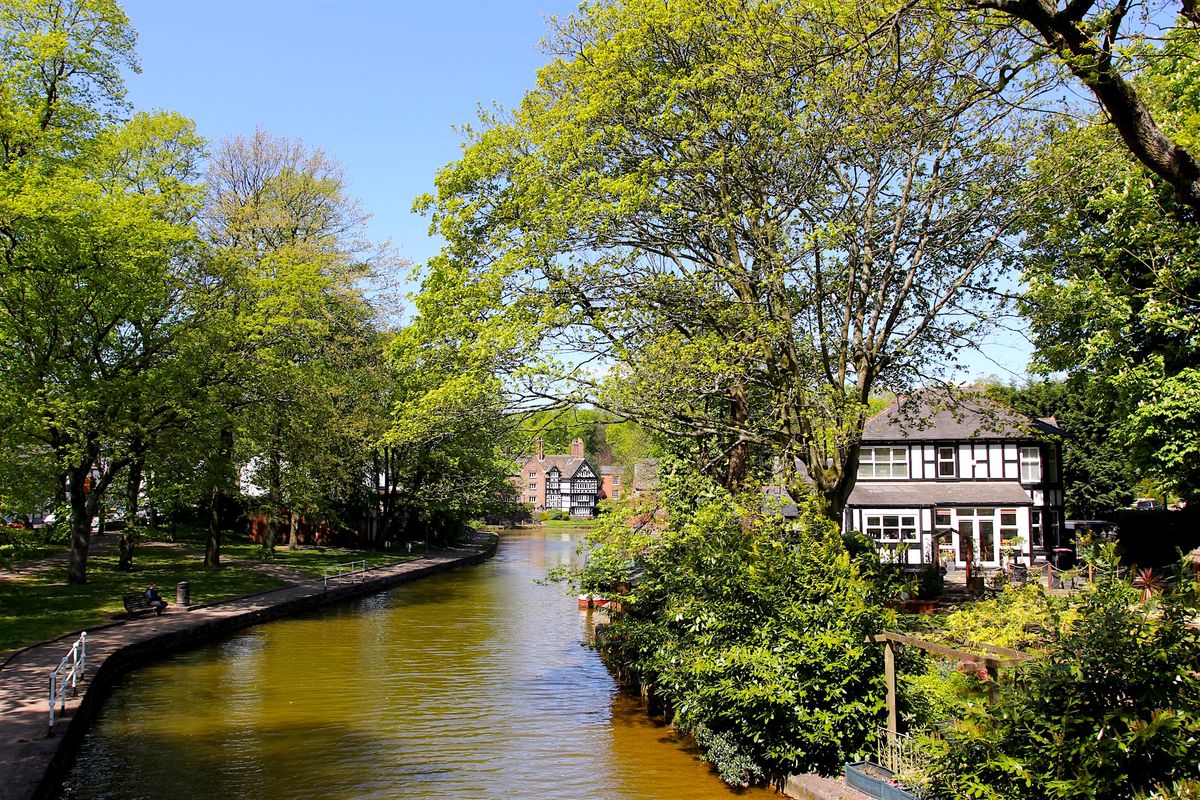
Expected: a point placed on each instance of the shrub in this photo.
(1111, 711)
(750, 628)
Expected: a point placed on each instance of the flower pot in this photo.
(875, 781)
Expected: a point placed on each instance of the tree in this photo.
(98, 303)
(447, 450)
(1114, 288)
(1099, 43)
(301, 332)
(747, 223)
(1098, 474)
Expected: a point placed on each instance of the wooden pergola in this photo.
(992, 659)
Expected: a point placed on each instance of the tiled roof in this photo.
(567, 465)
(612, 469)
(935, 415)
(920, 494)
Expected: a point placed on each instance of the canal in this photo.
(468, 684)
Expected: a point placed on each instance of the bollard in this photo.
(183, 593)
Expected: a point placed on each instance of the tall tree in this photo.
(753, 223)
(1101, 43)
(1114, 286)
(293, 242)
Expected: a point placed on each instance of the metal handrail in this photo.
(71, 668)
(350, 568)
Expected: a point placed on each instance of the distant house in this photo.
(965, 477)
(614, 483)
(567, 483)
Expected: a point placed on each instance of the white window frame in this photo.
(616, 480)
(616, 494)
(533, 486)
(871, 466)
(1031, 465)
(904, 526)
(952, 461)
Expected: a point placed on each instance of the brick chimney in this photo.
(577, 448)
(541, 450)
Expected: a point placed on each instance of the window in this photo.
(533, 473)
(941, 518)
(1008, 524)
(883, 462)
(616, 480)
(1035, 529)
(1031, 465)
(892, 527)
(947, 462)
(616, 494)
(533, 486)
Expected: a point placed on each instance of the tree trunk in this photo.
(81, 522)
(128, 537)
(212, 548)
(293, 532)
(738, 469)
(222, 476)
(274, 491)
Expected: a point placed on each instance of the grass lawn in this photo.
(42, 605)
(570, 523)
(308, 560)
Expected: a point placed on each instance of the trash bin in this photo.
(183, 593)
(1020, 574)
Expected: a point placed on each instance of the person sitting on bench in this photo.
(155, 599)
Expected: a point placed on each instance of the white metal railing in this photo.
(350, 568)
(898, 752)
(68, 673)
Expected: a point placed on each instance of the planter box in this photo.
(875, 781)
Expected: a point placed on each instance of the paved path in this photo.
(31, 762)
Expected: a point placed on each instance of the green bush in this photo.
(1110, 711)
(748, 627)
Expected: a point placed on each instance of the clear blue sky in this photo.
(378, 84)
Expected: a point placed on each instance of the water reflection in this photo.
(469, 684)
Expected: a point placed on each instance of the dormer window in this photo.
(883, 462)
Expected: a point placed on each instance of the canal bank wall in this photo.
(33, 764)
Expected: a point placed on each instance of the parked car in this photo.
(1145, 504)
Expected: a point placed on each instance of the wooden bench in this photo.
(136, 604)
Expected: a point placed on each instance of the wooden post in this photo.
(889, 676)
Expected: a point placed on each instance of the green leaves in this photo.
(750, 628)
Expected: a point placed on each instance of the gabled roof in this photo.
(567, 465)
(611, 469)
(953, 415)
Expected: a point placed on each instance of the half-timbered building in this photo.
(567, 483)
(968, 478)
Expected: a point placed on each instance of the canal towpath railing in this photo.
(67, 674)
(352, 569)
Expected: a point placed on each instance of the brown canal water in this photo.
(471, 684)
